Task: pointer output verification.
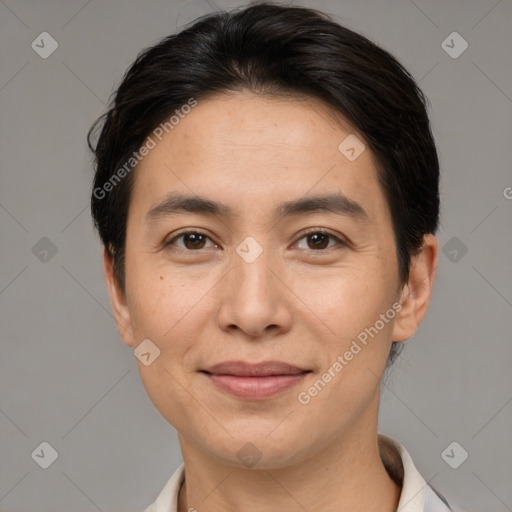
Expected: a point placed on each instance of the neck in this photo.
(347, 474)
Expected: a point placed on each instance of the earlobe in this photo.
(416, 293)
(117, 300)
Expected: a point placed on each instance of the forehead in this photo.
(254, 126)
(250, 150)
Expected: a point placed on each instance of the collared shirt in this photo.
(416, 495)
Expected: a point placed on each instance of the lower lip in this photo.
(255, 387)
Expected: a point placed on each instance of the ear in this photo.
(117, 300)
(415, 295)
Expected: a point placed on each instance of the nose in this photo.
(254, 298)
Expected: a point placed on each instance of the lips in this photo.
(254, 381)
(263, 369)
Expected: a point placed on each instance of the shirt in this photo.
(416, 494)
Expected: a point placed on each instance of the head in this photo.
(266, 188)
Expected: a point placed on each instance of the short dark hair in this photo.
(275, 50)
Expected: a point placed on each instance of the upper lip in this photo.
(244, 369)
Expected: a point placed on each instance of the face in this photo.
(258, 275)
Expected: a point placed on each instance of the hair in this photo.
(281, 51)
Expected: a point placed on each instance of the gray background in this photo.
(66, 376)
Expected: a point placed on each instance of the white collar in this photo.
(416, 496)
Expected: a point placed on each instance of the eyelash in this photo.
(170, 243)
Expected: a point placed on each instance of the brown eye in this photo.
(190, 241)
(320, 240)
(194, 241)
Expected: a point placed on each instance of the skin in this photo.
(294, 303)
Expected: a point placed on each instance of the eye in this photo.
(192, 240)
(318, 240)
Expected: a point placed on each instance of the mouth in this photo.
(254, 381)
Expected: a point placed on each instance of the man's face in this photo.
(211, 296)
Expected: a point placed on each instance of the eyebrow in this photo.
(336, 203)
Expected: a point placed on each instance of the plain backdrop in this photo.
(68, 380)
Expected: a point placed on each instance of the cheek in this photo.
(146, 302)
(345, 300)
(156, 308)
(154, 294)
(168, 307)
(165, 310)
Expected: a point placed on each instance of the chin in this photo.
(260, 451)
